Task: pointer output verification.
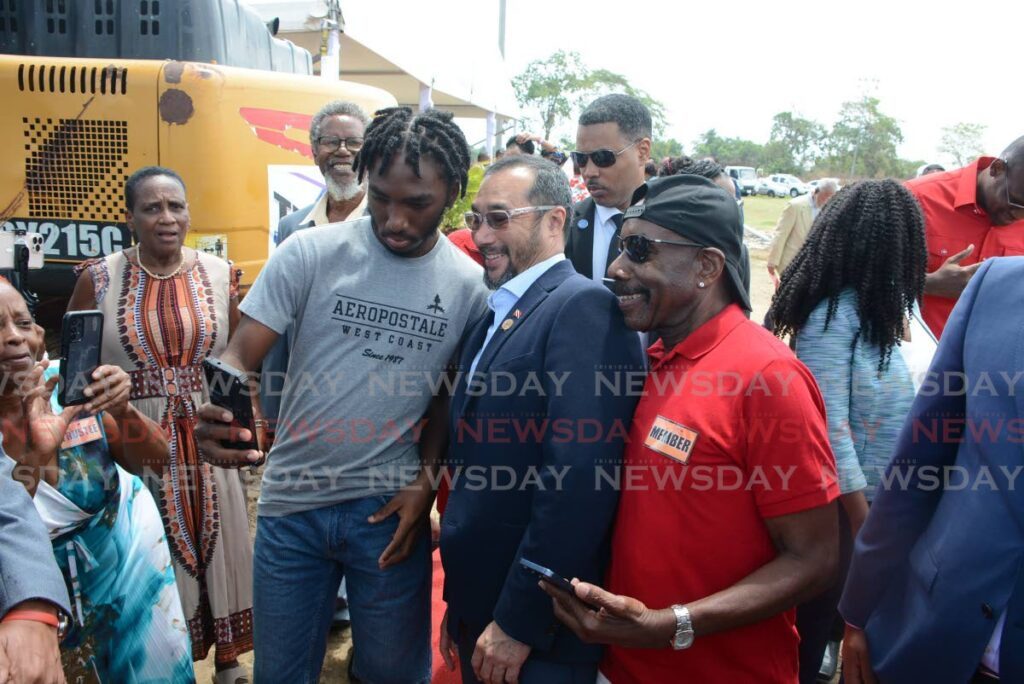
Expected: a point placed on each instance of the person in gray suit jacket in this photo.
(33, 599)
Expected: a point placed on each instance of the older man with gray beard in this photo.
(336, 134)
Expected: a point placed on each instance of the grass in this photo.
(762, 212)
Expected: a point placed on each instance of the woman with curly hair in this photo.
(846, 299)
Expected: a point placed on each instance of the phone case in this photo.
(81, 338)
(228, 390)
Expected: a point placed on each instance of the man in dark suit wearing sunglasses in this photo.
(613, 143)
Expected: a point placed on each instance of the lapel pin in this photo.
(582, 223)
(517, 314)
(506, 324)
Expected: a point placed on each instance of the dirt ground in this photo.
(339, 643)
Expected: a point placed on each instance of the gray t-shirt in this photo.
(373, 335)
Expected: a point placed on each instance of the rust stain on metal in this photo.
(7, 212)
(173, 72)
(176, 106)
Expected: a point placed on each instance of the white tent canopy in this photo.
(402, 46)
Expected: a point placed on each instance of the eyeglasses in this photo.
(601, 158)
(498, 219)
(330, 143)
(638, 247)
(1006, 185)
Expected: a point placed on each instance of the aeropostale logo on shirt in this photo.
(394, 326)
(671, 439)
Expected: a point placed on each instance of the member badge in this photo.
(671, 439)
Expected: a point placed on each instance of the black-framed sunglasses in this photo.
(330, 143)
(1006, 185)
(638, 247)
(498, 219)
(601, 158)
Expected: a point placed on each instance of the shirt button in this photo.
(987, 611)
(943, 252)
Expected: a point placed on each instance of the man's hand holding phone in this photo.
(227, 430)
(216, 425)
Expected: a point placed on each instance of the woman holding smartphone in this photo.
(167, 307)
(104, 526)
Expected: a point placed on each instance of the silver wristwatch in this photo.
(684, 628)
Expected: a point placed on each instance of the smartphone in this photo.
(548, 576)
(229, 389)
(81, 335)
(32, 241)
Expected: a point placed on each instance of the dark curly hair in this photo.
(868, 238)
(396, 130)
(705, 168)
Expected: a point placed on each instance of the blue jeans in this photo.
(298, 563)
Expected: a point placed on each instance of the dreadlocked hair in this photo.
(396, 131)
(868, 238)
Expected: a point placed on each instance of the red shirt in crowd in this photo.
(730, 431)
(463, 239)
(953, 219)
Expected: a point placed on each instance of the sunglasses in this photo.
(638, 247)
(601, 158)
(1006, 185)
(498, 219)
(330, 143)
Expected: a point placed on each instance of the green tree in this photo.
(728, 151)
(454, 217)
(665, 148)
(797, 142)
(553, 89)
(962, 142)
(863, 141)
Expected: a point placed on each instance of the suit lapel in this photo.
(582, 227)
(474, 340)
(526, 305)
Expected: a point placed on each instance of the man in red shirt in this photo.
(727, 517)
(971, 214)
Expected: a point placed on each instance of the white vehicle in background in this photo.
(746, 176)
(782, 185)
(813, 185)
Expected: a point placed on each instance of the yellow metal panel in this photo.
(71, 131)
(220, 128)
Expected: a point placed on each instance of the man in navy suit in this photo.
(936, 588)
(536, 437)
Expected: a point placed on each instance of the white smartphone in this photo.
(34, 242)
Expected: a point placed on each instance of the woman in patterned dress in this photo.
(167, 308)
(105, 527)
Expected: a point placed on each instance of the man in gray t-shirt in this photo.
(373, 334)
(377, 311)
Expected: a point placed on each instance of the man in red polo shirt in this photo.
(970, 214)
(727, 517)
